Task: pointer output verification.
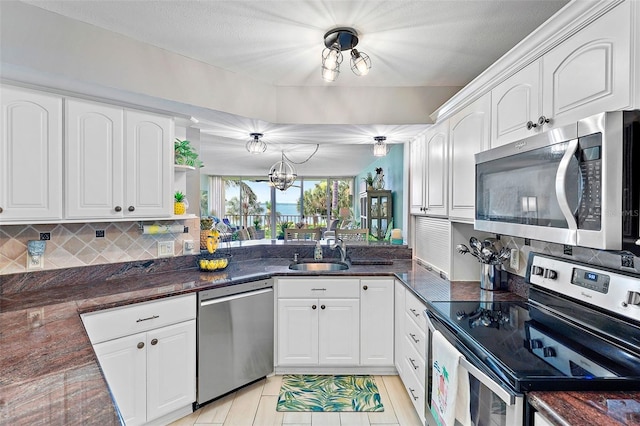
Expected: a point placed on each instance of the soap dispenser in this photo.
(317, 252)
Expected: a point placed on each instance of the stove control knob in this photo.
(551, 274)
(535, 344)
(548, 352)
(536, 270)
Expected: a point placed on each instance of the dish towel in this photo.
(450, 385)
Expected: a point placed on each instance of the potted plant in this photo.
(369, 181)
(179, 203)
(206, 223)
(185, 155)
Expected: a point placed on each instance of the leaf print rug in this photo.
(329, 393)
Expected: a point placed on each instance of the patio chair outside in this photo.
(302, 234)
(353, 236)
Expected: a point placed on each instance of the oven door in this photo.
(491, 403)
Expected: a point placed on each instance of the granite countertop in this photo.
(50, 374)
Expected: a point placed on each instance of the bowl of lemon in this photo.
(209, 265)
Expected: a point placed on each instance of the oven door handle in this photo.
(507, 397)
(561, 179)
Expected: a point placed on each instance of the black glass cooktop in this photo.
(532, 348)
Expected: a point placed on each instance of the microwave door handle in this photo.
(561, 179)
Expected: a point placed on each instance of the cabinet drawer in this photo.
(414, 362)
(416, 393)
(123, 321)
(415, 309)
(319, 288)
(415, 335)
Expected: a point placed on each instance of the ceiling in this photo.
(411, 43)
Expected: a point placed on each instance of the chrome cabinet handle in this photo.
(415, 398)
(318, 289)
(118, 208)
(414, 312)
(154, 342)
(543, 120)
(413, 336)
(415, 367)
(140, 345)
(531, 125)
(131, 208)
(147, 319)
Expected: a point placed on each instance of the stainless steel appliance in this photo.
(572, 185)
(235, 337)
(579, 330)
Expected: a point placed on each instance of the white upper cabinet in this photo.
(469, 133)
(30, 156)
(516, 105)
(591, 71)
(118, 162)
(437, 165)
(588, 73)
(417, 170)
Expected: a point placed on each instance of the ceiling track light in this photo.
(380, 147)
(255, 145)
(337, 40)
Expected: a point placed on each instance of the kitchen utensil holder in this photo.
(492, 277)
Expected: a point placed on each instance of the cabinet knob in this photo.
(154, 342)
(0, 209)
(364, 287)
(118, 208)
(543, 120)
(131, 208)
(313, 306)
(531, 125)
(322, 306)
(140, 345)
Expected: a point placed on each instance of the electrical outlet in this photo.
(35, 262)
(188, 247)
(514, 259)
(165, 248)
(45, 236)
(35, 317)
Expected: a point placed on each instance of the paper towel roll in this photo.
(162, 229)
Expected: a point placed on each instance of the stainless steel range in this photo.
(579, 330)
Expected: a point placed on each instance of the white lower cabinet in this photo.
(334, 322)
(151, 373)
(411, 348)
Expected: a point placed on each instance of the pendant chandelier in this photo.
(335, 41)
(282, 174)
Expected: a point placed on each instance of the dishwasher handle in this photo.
(234, 297)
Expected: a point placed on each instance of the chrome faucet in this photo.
(342, 247)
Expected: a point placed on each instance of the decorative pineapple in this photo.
(179, 206)
(206, 224)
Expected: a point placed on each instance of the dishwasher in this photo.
(235, 337)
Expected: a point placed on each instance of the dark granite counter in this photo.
(49, 372)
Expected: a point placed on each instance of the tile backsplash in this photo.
(76, 244)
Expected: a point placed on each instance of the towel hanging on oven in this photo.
(450, 386)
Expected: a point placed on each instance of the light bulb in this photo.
(330, 74)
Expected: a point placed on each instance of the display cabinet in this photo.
(376, 212)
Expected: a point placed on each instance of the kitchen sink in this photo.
(319, 266)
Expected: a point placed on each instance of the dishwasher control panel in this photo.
(229, 290)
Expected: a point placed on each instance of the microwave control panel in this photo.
(590, 157)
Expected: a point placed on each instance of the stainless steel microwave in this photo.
(572, 185)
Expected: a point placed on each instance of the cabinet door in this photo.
(469, 134)
(298, 331)
(590, 72)
(149, 169)
(417, 161)
(123, 362)
(339, 332)
(376, 322)
(436, 173)
(399, 316)
(171, 368)
(94, 160)
(30, 156)
(514, 103)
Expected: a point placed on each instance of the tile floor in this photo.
(256, 405)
